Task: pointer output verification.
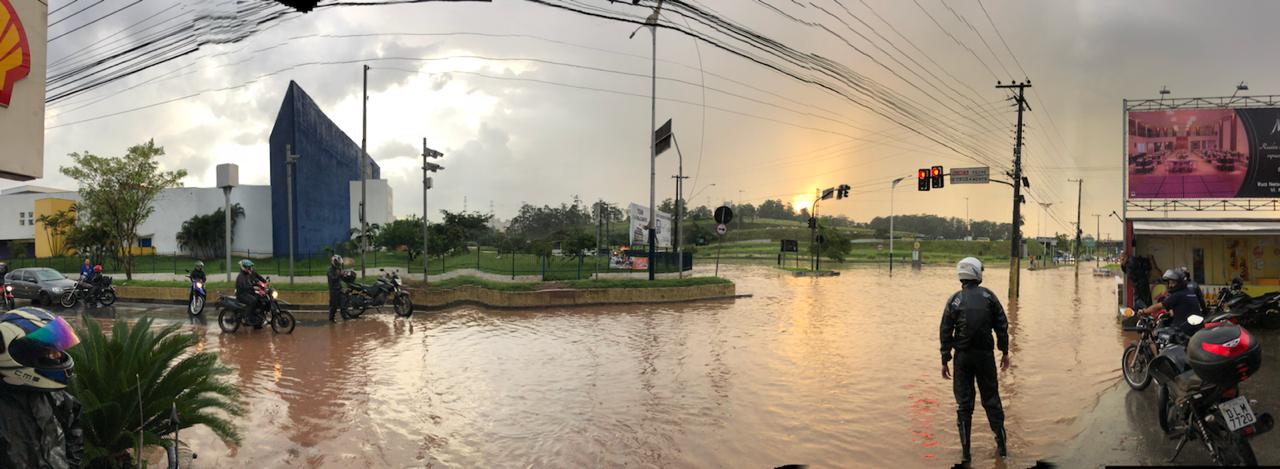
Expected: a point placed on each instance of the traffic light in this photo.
(922, 180)
(813, 223)
(937, 177)
(842, 191)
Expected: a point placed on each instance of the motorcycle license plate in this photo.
(1237, 413)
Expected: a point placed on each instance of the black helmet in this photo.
(34, 342)
(1237, 283)
(1175, 276)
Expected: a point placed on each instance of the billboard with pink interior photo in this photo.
(1204, 153)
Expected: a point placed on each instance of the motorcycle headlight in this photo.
(8, 288)
(275, 294)
(199, 284)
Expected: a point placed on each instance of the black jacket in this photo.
(39, 429)
(245, 282)
(335, 279)
(198, 275)
(968, 320)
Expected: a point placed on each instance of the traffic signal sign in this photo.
(813, 223)
(842, 191)
(936, 175)
(923, 180)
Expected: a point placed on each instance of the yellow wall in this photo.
(49, 206)
(1256, 259)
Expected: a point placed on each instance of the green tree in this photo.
(90, 239)
(835, 245)
(357, 235)
(204, 236)
(404, 233)
(151, 371)
(55, 229)
(745, 211)
(118, 192)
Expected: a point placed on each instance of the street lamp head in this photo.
(1242, 87)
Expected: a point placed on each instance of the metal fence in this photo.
(483, 259)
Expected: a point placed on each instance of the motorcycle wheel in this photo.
(1233, 449)
(196, 306)
(1164, 406)
(403, 305)
(1135, 367)
(356, 311)
(107, 298)
(68, 299)
(227, 320)
(1271, 318)
(282, 322)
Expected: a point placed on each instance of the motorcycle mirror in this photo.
(1195, 319)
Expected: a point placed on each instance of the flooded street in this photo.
(828, 372)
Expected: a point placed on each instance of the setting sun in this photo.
(802, 202)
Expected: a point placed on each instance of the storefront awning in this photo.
(1207, 227)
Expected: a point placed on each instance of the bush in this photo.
(135, 376)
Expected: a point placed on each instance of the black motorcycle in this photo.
(1261, 310)
(232, 313)
(8, 296)
(1199, 396)
(99, 291)
(1153, 337)
(387, 289)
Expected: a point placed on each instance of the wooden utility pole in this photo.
(1015, 237)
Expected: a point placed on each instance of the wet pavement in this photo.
(830, 372)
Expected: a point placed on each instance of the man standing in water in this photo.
(968, 320)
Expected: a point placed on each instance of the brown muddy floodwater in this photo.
(831, 372)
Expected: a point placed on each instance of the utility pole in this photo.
(968, 230)
(1015, 237)
(652, 23)
(1097, 238)
(892, 186)
(426, 186)
(679, 177)
(290, 160)
(1079, 201)
(599, 227)
(364, 165)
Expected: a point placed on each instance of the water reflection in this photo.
(828, 372)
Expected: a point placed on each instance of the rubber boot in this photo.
(966, 430)
(1000, 442)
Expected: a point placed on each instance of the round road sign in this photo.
(917, 245)
(721, 229)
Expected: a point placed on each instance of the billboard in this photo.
(640, 223)
(1204, 153)
(22, 74)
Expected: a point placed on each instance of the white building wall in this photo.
(379, 195)
(175, 206)
(172, 208)
(13, 204)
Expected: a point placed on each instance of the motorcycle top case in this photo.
(1224, 355)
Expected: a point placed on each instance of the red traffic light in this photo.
(937, 177)
(923, 180)
(937, 171)
(924, 174)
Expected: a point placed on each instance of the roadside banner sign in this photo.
(790, 245)
(970, 175)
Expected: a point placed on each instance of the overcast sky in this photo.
(516, 131)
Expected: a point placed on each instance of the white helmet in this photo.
(969, 268)
(29, 337)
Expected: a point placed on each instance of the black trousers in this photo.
(335, 303)
(1141, 291)
(979, 367)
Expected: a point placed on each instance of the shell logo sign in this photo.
(15, 52)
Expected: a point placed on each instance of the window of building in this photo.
(144, 242)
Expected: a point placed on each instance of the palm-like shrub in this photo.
(127, 383)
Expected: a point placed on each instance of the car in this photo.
(41, 285)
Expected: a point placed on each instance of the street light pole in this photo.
(364, 156)
(426, 186)
(892, 186)
(290, 161)
(652, 23)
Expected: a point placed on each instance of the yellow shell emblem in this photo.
(15, 53)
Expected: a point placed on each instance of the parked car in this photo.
(41, 285)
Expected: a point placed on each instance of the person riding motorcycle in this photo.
(246, 294)
(336, 297)
(1180, 299)
(85, 269)
(40, 419)
(968, 320)
(197, 272)
(94, 280)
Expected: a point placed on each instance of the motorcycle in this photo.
(1262, 310)
(1199, 397)
(232, 313)
(387, 287)
(1152, 339)
(106, 294)
(8, 297)
(196, 297)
